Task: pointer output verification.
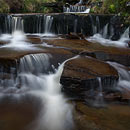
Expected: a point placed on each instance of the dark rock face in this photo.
(5, 23)
(87, 24)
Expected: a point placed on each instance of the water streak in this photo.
(56, 113)
(16, 40)
(98, 38)
(99, 102)
(48, 23)
(124, 76)
(17, 24)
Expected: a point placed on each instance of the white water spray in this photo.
(99, 101)
(98, 38)
(124, 76)
(56, 113)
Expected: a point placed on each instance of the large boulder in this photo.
(82, 75)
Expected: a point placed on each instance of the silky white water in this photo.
(56, 113)
(124, 77)
(99, 100)
(98, 38)
(32, 79)
(16, 40)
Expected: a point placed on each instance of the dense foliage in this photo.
(111, 7)
(4, 7)
(37, 6)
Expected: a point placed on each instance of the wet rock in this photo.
(17, 53)
(10, 59)
(14, 110)
(65, 23)
(73, 36)
(34, 40)
(80, 76)
(2, 42)
(88, 118)
(105, 53)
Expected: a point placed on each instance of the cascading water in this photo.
(17, 24)
(101, 38)
(48, 23)
(105, 31)
(56, 113)
(75, 25)
(124, 76)
(17, 40)
(76, 9)
(103, 34)
(99, 101)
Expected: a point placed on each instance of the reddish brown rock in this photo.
(105, 53)
(80, 76)
(114, 117)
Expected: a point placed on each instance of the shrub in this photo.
(4, 7)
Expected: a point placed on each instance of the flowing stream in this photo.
(32, 78)
(55, 107)
(35, 74)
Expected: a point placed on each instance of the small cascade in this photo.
(126, 33)
(48, 20)
(95, 24)
(99, 101)
(55, 110)
(31, 78)
(105, 31)
(35, 63)
(75, 25)
(74, 9)
(5, 24)
(17, 23)
(124, 77)
(39, 24)
(103, 36)
(27, 70)
(17, 40)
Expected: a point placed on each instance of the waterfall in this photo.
(55, 108)
(35, 63)
(99, 101)
(75, 25)
(126, 33)
(75, 9)
(124, 77)
(5, 24)
(17, 24)
(105, 31)
(101, 35)
(95, 24)
(48, 20)
(31, 78)
(16, 40)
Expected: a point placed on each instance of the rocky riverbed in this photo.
(81, 80)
